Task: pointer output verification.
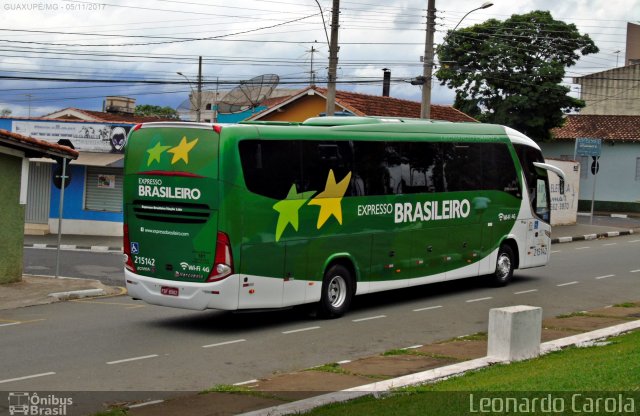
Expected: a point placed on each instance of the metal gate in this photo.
(38, 193)
(103, 189)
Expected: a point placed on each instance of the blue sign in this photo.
(588, 147)
(135, 248)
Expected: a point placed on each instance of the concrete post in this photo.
(514, 333)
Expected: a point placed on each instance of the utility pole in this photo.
(333, 60)
(312, 74)
(427, 67)
(199, 97)
(215, 107)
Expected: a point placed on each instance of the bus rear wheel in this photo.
(337, 291)
(504, 266)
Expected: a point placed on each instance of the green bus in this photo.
(270, 215)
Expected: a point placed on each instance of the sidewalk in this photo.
(74, 242)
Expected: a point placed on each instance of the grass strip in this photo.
(576, 380)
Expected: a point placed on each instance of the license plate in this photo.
(169, 291)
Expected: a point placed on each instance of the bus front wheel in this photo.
(337, 291)
(504, 266)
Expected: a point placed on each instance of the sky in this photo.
(47, 46)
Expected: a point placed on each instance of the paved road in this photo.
(106, 267)
(120, 344)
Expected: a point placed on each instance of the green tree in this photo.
(509, 72)
(156, 111)
(5, 112)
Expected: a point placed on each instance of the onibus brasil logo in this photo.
(24, 403)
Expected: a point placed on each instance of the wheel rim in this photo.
(337, 291)
(504, 267)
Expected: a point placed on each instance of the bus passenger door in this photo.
(538, 247)
(261, 272)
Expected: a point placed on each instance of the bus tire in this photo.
(337, 291)
(504, 266)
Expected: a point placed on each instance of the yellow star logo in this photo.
(181, 151)
(329, 199)
(155, 152)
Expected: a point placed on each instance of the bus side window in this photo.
(368, 166)
(499, 172)
(271, 167)
(320, 157)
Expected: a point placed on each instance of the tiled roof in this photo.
(117, 117)
(39, 146)
(274, 101)
(612, 128)
(376, 105)
(372, 105)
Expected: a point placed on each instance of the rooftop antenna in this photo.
(249, 94)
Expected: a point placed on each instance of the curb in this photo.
(77, 294)
(591, 236)
(435, 374)
(72, 247)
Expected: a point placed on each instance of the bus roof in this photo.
(373, 125)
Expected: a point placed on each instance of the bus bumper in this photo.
(221, 295)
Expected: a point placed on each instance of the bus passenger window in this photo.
(542, 200)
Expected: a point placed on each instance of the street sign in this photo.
(595, 165)
(588, 147)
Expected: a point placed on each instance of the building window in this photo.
(208, 106)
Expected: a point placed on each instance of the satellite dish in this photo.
(249, 94)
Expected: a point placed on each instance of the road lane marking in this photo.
(604, 277)
(149, 403)
(556, 251)
(634, 241)
(635, 271)
(369, 318)
(11, 322)
(567, 284)
(525, 291)
(219, 344)
(244, 383)
(478, 300)
(413, 347)
(126, 360)
(293, 331)
(582, 248)
(427, 308)
(610, 244)
(27, 377)
(344, 362)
